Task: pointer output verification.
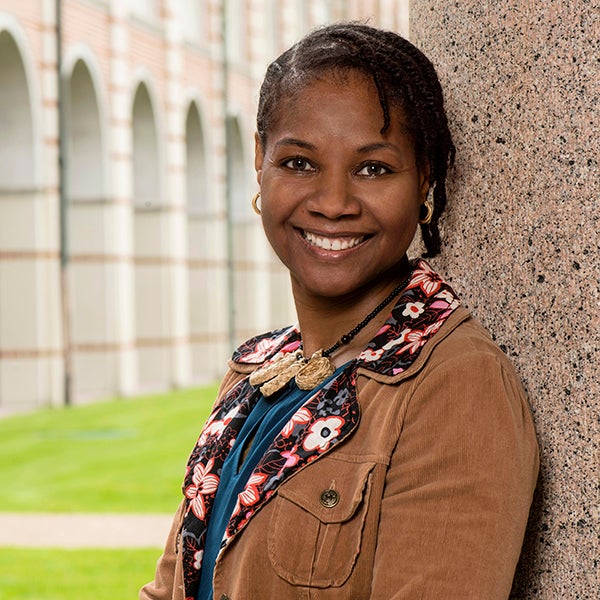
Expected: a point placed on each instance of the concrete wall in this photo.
(522, 241)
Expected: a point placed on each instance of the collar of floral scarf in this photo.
(421, 310)
(327, 417)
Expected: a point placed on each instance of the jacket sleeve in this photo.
(168, 579)
(167, 583)
(459, 485)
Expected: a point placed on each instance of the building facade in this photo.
(130, 259)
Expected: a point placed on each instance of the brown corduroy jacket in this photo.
(432, 491)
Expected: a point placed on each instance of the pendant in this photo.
(276, 374)
(274, 385)
(274, 368)
(315, 371)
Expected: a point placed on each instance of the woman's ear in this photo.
(259, 156)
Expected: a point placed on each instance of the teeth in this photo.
(332, 243)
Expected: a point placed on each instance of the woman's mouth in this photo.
(332, 243)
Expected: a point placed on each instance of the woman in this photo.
(382, 447)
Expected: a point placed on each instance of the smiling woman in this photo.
(382, 447)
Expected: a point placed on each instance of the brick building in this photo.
(130, 259)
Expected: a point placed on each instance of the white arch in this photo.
(81, 51)
(197, 190)
(146, 154)
(88, 181)
(86, 147)
(141, 74)
(148, 151)
(238, 165)
(195, 96)
(10, 26)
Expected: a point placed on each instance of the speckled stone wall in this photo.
(522, 241)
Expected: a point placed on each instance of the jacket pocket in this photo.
(317, 523)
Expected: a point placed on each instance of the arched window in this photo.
(152, 271)
(146, 164)
(89, 218)
(28, 294)
(240, 203)
(196, 171)
(16, 129)
(86, 157)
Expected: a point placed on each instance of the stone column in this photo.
(521, 240)
(177, 224)
(121, 189)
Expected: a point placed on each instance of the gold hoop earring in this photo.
(428, 216)
(255, 206)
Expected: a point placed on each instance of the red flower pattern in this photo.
(301, 416)
(204, 482)
(425, 278)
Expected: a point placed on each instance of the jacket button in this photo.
(329, 498)
(224, 597)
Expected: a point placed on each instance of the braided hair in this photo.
(404, 78)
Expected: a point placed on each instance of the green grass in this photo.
(52, 574)
(117, 456)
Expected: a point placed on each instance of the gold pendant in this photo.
(273, 368)
(308, 374)
(277, 373)
(314, 372)
(274, 385)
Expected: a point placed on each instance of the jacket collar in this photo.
(419, 313)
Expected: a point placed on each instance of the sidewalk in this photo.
(35, 530)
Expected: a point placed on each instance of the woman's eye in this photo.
(298, 164)
(373, 170)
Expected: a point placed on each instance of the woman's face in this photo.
(339, 199)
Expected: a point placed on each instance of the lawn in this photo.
(117, 456)
(51, 574)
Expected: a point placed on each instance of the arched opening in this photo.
(205, 240)
(196, 172)
(146, 172)
(91, 275)
(240, 204)
(151, 232)
(245, 234)
(17, 166)
(24, 294)
(86, 157)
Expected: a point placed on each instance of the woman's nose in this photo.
(333, 197)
